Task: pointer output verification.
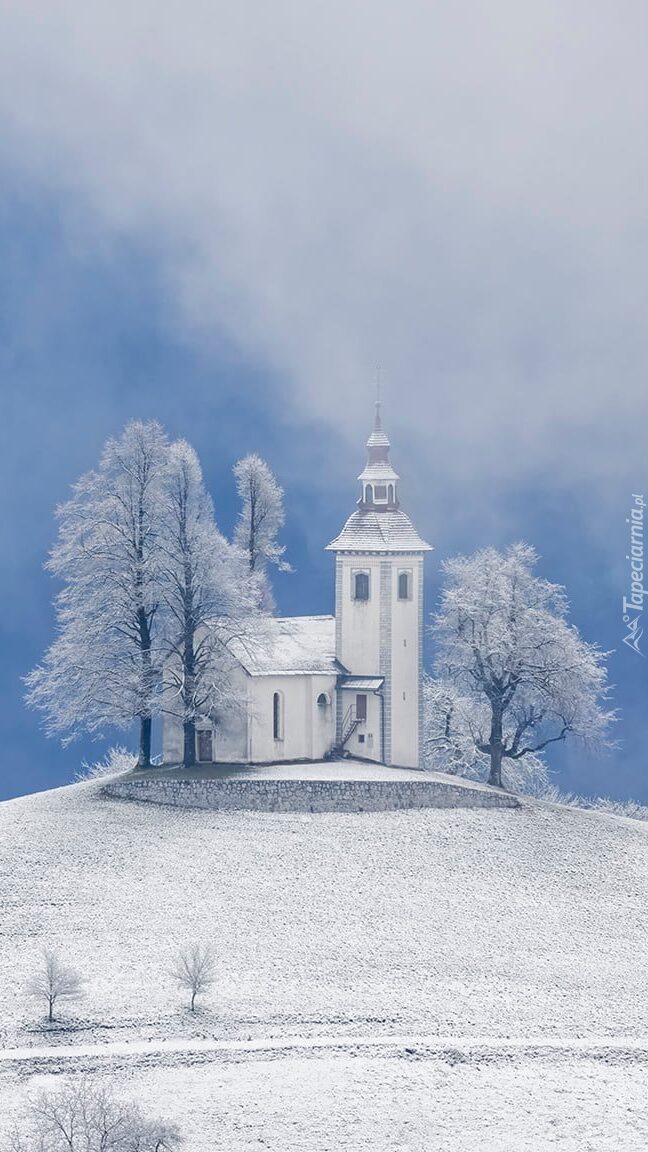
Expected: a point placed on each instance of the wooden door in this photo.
(205, 746)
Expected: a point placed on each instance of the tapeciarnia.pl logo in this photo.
(633, 605)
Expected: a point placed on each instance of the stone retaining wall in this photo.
(305, 795)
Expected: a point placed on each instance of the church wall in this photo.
(230, 738)
(172, 740)
(371, 747)
(307, 729)
(383, 636)
(358, 621)
(231, 733)
(406, 631)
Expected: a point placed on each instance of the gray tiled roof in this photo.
(370, 531)
(361, 683)
(381, 471)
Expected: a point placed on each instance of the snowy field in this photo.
(467, 979)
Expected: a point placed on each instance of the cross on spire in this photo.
(377, 418)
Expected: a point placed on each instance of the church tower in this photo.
(379, 618)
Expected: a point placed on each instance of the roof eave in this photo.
(361, 550)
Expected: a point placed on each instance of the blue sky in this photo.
(226, 224)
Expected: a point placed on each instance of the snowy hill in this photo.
(438, 979)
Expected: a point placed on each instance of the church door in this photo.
(361, 706)
(205, 746)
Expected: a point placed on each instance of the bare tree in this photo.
(103, 667)
(54, 981)
(83, 1117)
(194, 969)
(523, 674)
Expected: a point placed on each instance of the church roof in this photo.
(370, 531)
(361, 683)
(381, 471)
(289, 645)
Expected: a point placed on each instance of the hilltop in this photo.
(508, 945)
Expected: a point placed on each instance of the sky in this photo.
(225, 216)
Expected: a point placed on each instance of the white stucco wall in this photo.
(308, 729)
(358, 621)
(371, 747)
(245, 734)
(230, 735)
(383, 636)
(406, 634)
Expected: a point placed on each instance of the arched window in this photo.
(277, 716)
(323, 700)
(390, 494)
(369, 495)
(361, 586)
(405, 585)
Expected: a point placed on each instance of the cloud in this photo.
(456, 191)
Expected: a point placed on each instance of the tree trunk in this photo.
(189, 751)
(146, 725)
(496, 749)
(50, 1015)
(189, 670)
(193, 1002)
(147, 685)
(495, 777)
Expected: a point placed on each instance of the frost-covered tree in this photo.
(194, 969)
(448, 741)
(103, 667)
(261, 517)
(451, 726)
(208, 598)
(54, 981)
(82, 1116)
(524, 676)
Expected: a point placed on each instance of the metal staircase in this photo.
(349, 725)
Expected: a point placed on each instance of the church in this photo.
(316, 687)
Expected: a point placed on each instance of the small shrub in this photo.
(116, 761)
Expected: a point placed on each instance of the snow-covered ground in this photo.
(450, 931)
(386, 1104)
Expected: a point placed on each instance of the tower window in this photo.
(360, 585)
(381, 491)
(323, 700)
(277, 717)
(405, 585)
(390, 494)
(369, 494)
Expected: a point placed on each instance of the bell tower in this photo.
(379, 618)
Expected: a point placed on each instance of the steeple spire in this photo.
(379, 480)
(378, 413)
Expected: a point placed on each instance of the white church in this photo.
(314, 687)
